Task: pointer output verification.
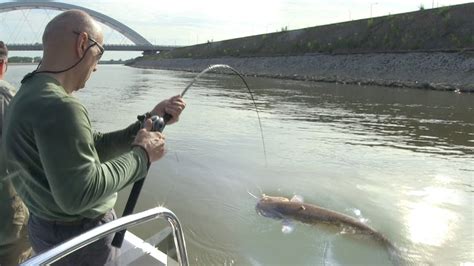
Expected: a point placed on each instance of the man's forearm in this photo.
(113, 144)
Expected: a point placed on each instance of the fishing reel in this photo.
(157, 122)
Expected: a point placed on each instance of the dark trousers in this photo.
(46, 234)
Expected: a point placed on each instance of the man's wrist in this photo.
(146, 153)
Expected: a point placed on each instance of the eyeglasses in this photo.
(94, 42)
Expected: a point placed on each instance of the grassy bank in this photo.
(427, 49)
(440, 29)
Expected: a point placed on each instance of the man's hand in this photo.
(152, 141)
(173, 106)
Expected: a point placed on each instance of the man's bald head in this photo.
(69, 22)
(72, 47)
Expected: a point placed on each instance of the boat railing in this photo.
(66, 248)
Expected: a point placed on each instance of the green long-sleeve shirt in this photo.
(59, 166)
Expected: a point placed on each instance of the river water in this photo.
(401, 160)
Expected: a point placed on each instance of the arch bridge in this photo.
(140, 43)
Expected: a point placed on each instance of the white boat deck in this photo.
(136, 251)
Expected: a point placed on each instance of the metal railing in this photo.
(122, 223)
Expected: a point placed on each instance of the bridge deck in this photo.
(108, 47)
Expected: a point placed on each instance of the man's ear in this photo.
(81, 44)
(3, 66)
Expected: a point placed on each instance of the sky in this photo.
(180, 22)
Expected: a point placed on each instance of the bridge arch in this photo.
(112, 23)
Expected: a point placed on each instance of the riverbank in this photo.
(428, 49)
(426, 70)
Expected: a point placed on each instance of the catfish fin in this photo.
(287, 227)
(297, 198)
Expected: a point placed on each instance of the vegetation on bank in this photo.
(115, 62)
(446, 28)
(23, 59)
(37, 59)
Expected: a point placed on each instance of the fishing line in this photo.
(252, 194)
(212, 67)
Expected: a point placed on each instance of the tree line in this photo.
(24, 59)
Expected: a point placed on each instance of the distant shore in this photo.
(10, 63)
(108, 62)
(424, 70)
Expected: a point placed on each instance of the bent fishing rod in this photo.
(158, 124)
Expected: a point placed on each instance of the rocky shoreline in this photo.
(424, 70)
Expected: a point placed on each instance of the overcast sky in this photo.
(180, 22)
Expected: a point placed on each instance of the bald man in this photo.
(67, 174)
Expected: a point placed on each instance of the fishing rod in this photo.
(158, 124)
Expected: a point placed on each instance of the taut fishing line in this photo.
(212, 67)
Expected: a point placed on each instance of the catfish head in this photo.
(281, 208)
(269, 206)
